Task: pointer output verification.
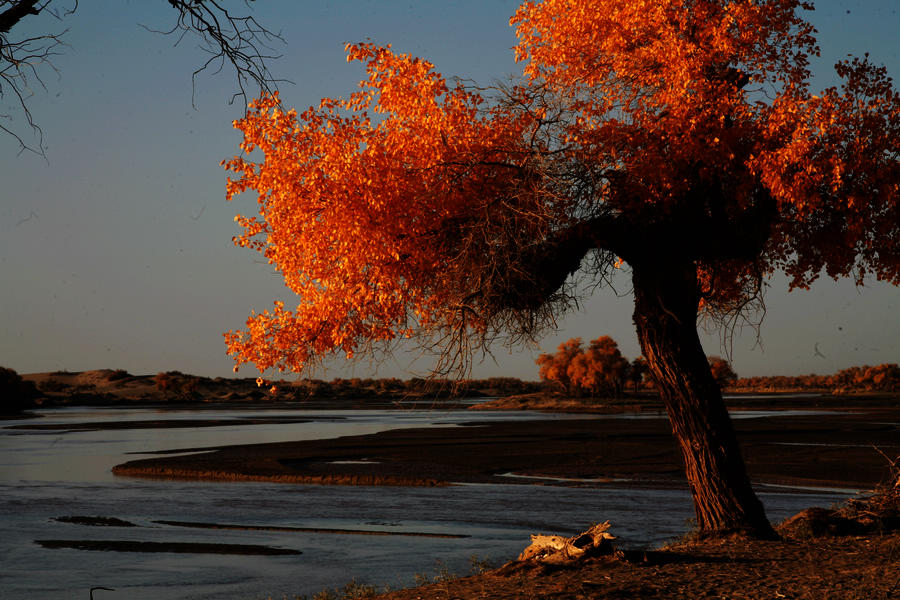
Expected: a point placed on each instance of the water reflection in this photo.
(73, 455)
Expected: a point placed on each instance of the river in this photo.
(47, 474)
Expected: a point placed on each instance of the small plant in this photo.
(690, 534)
(353, 590)
(442, 574)
(479, 565)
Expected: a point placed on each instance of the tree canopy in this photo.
(599, 369)
(416, 205)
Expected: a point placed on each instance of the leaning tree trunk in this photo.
(665, 314)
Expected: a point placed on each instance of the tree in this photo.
(17, 394)
(555, 367)
(637, 371)
(600, 369)
(597, 370)
(229, 39)
(677, 139)
(722, 371)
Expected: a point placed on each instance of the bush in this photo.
(16, 393)
(117, 375)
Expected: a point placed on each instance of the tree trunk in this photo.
(666, 304)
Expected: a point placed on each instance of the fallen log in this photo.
(556, 549)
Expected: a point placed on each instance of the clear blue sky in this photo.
(116, 251)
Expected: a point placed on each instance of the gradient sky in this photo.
(115, 251)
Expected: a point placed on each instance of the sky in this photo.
(115, 249)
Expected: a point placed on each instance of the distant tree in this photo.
(600, 370)
(187, 388)
(722, 371)
(17, 394)
(555, 367)
(637, 372)
(680, 139)
(164, 383)
(884, 377)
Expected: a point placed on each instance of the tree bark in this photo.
(666, 304)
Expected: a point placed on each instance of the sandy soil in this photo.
(857, 567)
(825, 449)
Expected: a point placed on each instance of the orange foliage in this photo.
(722, 371)
(356, 214)
(879, 378)
(414, 206)
(555, 367)
(598, 370)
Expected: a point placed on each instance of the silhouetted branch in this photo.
(229, 39)
(21, 61)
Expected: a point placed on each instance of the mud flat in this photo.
(175, 547)
(816, 448)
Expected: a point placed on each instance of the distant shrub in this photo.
(880, 378)
(52, 385)
(184, 387)
(117, 375)
(16, 394)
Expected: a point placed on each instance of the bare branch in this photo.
(235, 41)
(21, 64)
(229, 39)
(16, 12)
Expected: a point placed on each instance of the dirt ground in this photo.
(854, 567)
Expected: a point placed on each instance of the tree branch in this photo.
(229, 39)
(16, 13)
(238, 41)
(19, 65)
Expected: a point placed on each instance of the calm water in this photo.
(44, 475)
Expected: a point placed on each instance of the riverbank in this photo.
(847, 552)
(845, 567)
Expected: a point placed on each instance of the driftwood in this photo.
(556, 549)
